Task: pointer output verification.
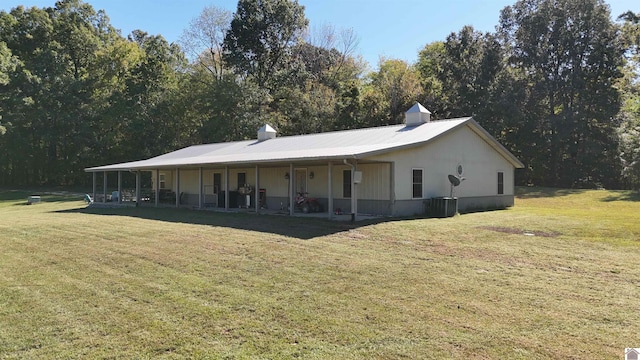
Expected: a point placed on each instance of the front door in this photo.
(300, 184)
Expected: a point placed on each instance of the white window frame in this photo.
(162, 181)
(346, 185)
(421, 184)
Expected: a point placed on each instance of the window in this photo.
(346, 183)
(162, 182)
(217, 183)
(417, 183)
(242, 179)
(500, 183)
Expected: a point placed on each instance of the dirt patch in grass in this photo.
(509, 230)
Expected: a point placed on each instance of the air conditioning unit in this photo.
(442, 207)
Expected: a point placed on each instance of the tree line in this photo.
(556, 83)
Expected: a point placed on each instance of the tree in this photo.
(50, 92)
(204, 38)
(629, 137)
(154, 120)
(341, 45)
(8, 65)
(398, 84)
(468, 62)
(430, 66)
(258, 43)
(629, 130)
(569, 53)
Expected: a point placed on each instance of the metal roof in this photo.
(347, 144)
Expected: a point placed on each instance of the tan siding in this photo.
(440, 158)
(375, 182)
(273, 180)
(189, 181)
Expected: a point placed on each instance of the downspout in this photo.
(354, 200)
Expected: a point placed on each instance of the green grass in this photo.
(557, 276)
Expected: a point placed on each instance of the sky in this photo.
(396, 29)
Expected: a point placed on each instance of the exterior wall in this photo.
(386, 186)
(440, 158)
(189, 181)
(373, 192)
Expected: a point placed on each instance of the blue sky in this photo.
(393, 29)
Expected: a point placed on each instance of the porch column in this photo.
(226, 188)
(157, 187)
(200, 188)
(257, 190)
(177, 187)
(104, 186)
(119, 187)
(94, 185)
(392, 190)
(291, 197)
(330, 190)
(138, 188)
(354, 191)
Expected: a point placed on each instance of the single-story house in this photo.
(387, 170)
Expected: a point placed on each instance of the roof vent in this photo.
(417, 115)
(266, 132)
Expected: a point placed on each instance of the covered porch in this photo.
(340, 190)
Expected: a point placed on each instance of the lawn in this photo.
(557, 276)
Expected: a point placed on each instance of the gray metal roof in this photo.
(347, 144)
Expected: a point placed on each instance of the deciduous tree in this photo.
(203, 39)
(571, 55)
(258, 43)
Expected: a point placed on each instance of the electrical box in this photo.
(357, 177)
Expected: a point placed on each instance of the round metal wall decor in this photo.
(459, 170)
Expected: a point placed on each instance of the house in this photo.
(388, 170)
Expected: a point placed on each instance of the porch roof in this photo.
(336, 145)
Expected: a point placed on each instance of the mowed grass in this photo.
(557, 276)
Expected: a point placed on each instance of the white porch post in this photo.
(94, 185)
(119, 187)
(392, 190)
(354, 190)
(138, 188)
(291, 197)
(226, 188)
(330, 190)
(257, 190)
(104, 186)
(177, 187)
(157, 186)
(200, 188)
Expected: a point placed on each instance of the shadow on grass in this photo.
(298, 227)
(524, 192)
(623, 196)
(16, 195)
